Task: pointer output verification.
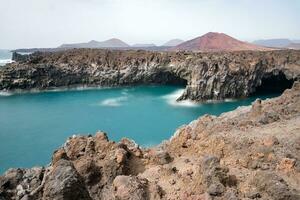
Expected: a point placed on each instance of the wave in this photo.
(125, 91)
(172, 99)
(2, 93)
(114, 102)
(221, 100)
(230, 100)
(5, 61)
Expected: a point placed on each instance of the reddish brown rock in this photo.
(286, 164)
(270, 141)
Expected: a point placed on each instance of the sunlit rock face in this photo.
(214, 76)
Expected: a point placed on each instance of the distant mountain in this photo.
(277, 43)
(111, 43)
(216, 42)
(293, 46)
(144, 45)
(173, 43)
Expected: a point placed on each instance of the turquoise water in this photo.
(33, 125)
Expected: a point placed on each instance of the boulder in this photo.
(65, 183)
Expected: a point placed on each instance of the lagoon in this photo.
(33, 125)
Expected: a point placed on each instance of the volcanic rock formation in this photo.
(217, 42)
(250, 153)
(207, 76)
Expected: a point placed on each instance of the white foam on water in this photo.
(114, 102)
(2, 93)
(125, 91)
(221, 100)
(230, 100)
(172, 99)
(63, 89)
(5, 61)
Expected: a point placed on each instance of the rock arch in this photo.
(275, 82)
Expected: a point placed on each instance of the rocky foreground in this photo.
(206, 75)
(250, 153)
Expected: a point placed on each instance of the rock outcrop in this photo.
(207, 76)
(249, 153)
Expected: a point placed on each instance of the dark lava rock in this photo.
(206, 75)
(65, 183)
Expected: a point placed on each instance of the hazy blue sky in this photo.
(49, 23)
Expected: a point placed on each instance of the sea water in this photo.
(5, 57)
(33, 125)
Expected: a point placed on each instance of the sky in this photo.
(49, 23)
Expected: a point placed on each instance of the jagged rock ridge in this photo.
(207, 76)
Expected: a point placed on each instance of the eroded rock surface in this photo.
(206, 75)
(245, 154)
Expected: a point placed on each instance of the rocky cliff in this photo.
(250, 153)
(206, 75)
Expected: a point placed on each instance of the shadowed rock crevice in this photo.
(274, 83)
(168, 78)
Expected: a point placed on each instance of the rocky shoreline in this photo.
(252, 152)
(249, 153)
(207, 76)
